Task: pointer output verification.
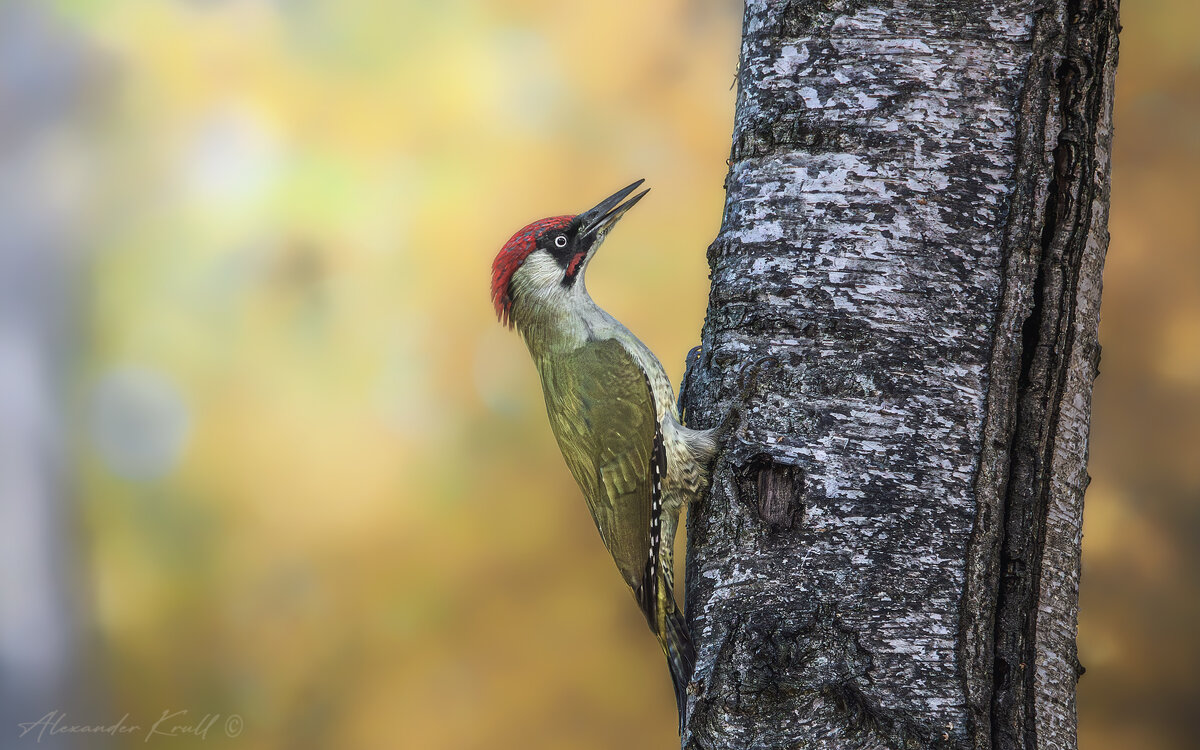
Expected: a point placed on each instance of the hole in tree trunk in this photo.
(775, 490)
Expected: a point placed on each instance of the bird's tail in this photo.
(681, 655)
(657, 600)
(658, 604)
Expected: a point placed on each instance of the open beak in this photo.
(597, 221)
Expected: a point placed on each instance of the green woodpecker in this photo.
(611, 410)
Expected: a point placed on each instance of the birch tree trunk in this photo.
(905, 298)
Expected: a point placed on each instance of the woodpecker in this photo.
(611, 409)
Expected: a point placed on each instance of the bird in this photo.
(611, 410)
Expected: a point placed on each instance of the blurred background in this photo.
(268, 463)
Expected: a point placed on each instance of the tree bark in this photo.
(904, 307)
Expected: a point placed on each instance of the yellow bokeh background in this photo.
(315, 482)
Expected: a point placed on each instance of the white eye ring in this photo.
(560, 240)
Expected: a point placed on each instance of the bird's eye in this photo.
(560, 240)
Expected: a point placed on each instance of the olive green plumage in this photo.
(604, 420)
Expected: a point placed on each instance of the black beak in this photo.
(605, 215)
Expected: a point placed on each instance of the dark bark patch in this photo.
(800, 17)
(791, 132)
(775, 490)
(780, 666)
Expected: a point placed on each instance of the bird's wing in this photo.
(602, 414)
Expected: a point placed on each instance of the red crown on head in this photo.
(510, 258)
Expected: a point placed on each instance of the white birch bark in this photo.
(904, 308)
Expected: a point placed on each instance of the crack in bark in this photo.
(1020, 493)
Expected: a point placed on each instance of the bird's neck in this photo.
(565, 320)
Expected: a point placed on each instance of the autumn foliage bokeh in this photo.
(314, 481)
